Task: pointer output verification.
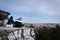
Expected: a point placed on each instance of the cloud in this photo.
(41, 20)
(48, 7)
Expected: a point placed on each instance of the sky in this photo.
(33, 11)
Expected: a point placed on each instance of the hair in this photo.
(19, 18)
(11, 17)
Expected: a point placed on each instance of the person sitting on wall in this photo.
(10, 22)
(18, 23)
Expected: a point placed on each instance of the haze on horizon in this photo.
(33, 11)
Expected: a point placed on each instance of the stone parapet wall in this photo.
(19, 33)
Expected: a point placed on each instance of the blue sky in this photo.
(33, 11)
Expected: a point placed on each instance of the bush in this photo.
(48, 34)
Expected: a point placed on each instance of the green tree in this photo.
(31, 26)
(4, 15)
(55, 33)
(48, 33)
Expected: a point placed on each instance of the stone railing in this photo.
(17, 33)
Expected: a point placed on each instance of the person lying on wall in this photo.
(18, 23)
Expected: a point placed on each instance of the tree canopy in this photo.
(4, 15)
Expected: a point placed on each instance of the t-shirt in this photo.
(5, 22)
